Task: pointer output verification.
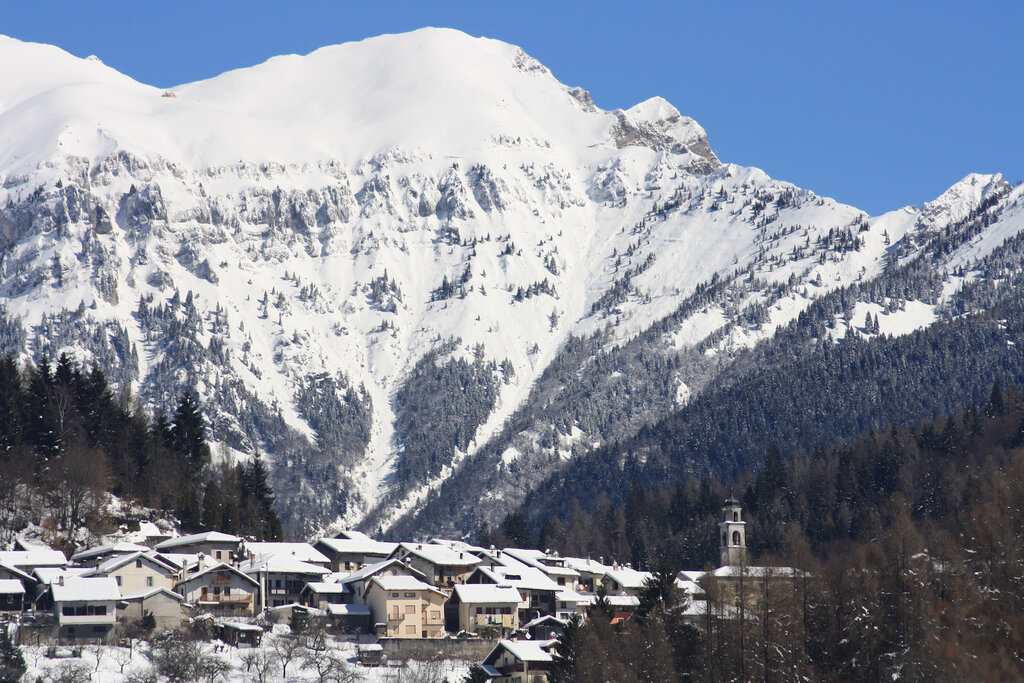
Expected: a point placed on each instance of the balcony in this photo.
(227, 599)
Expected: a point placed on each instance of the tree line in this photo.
(910, 538)
(67, 440)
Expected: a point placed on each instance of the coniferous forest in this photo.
(66, 441)
(909, 537)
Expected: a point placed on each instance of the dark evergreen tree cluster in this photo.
(910, 538)
(67, 440)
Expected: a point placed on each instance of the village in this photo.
(503, 608)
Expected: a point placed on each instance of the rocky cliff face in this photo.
(381, 266)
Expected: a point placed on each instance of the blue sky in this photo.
(876, 104)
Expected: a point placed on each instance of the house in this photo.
(28, 560)
(483, 607)
(354, 551)
(320, 594)
(280, 578)
(303, 552)
(442, 566)
(166, 606)
(536, 588)
(238, 634)
(138, 571)
(85, 608)
(218, 546)
(91, 557)
(350, 618)
(46, 577)
(550, 563)
(624, 580)
(568, 603)
(519, 661)
(405, 607)
(546, 627)
(358, 580)
(12, 596)
(220, 589)
(27, 581)
(591, 572)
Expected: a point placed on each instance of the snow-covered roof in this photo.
(401, 583)
(587, 565)
(37, 557)
(219, 567)
(239, 626)
(569, 596)
(120, 548)
(628, 577)
(525, 650)
(630, 601)
(372, 569)
(338, 609)
(689, 587)
(86, 589)
(179, 560)
(25, 576)
(150, 592)
(205, 537)
(521, 576)
(358, 546)
(115, 563)
(758, 572)
(543, 619)
(542, 561)
(52, 574)
(303, 552)
(281, 564)
(11, 586)
(441, 555)
(487, 593)
(327, 588)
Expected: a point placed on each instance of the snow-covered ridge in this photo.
(295, 239)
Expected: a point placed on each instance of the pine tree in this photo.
(12, 663)
(566, 652)
(188, 435)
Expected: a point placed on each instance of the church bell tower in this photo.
(732, 531)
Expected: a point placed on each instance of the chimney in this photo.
(60, 580)
(460, 554)
(201, 562)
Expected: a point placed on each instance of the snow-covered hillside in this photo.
(365, 259)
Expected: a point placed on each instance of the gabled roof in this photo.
(543, 619)
(24, 576)
(587, 565)
(219, 567)
(11, 586)
(150, 592)
(372, 569)
(281, 564)
(540, 560)
(179, 560)
(569, 596)
(338, 609)
(115, 563)
(487, 593)
(50, 575)
(37, 557)
(438, 555)
(358, 546)
(322, 588)
(523, 650)
(119, 548)
(401, 583)
(205, 537)
(86, 589)
(303, 552)
(628, 577)
(522, 577)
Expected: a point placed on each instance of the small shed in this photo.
(370, 654)
(239, 634)
(349, 618)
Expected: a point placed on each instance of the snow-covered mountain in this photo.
(390, 260)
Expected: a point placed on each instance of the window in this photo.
(479, 610)
(410, 609)
(138, 563)
(394, 595)
(149, 581)
(410, 630)
(218, 555)
(435, 615)
(735, 538)
(735, 516)
(410, 595)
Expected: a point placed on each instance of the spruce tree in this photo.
(12, 663)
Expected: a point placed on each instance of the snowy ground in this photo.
(108, 664)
